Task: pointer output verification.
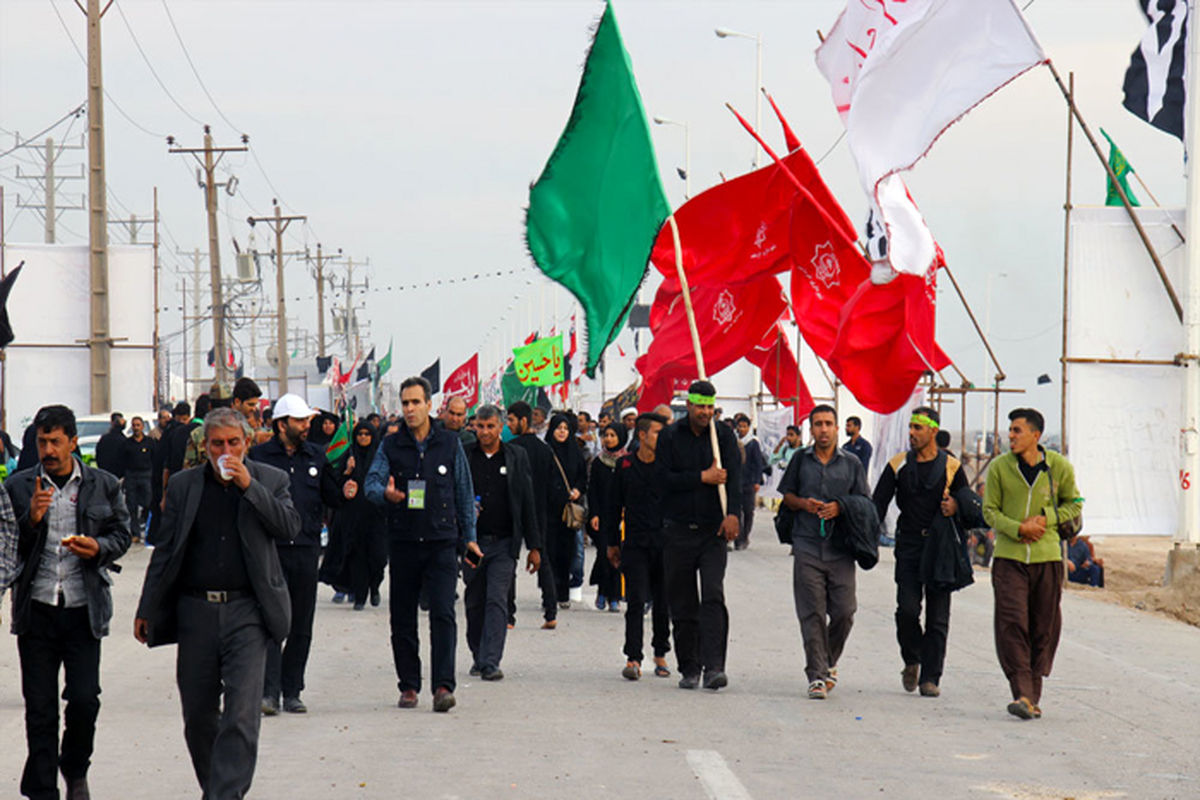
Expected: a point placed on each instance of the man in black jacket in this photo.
(315, 486)
(696, 529)
(823, 570)
(541, 470)
(635, 497)
(73, 526)
(504, 495)
(215, 586)
(918, 480)
(139, 471)
(110, 449)
(420, 475)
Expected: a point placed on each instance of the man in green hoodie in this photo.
(1030, 492)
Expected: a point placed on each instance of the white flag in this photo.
(903, 72)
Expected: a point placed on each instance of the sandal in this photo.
(660, 669)
(632, 671)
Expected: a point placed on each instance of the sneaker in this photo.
(492, 674)
(565, 604)
(294, 705)
(816, 690)
(614, 606)
(601, 602)
(443, 700)
(930, 689)
(270, 706)
(549, 624)
(632, 671)
(909, 677)
(359, 605)
(408, 699)
(689, 682)
(339, 597)
(831, 680)
(715, 680)
(1022, 708)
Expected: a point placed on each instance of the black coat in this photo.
(314, 482)
(541, 464)
(521, 500)
(101, 513)
(110, 452)
(265, 516)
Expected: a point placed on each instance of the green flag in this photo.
(339, 445)
(385, 363)
(540, 363)
(1122, 169)
(513, 390)
(597, 207)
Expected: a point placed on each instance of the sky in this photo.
(408, 132)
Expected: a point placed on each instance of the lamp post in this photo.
(723, 33)
(687, 153)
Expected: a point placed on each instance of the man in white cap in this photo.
(314, 485)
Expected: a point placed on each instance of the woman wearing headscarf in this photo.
(605, 577)
(362, 526)
(568, 483)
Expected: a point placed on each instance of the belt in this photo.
(219, 596)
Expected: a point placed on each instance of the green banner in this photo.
(1122, 169)
(512, 390)
(540, 363)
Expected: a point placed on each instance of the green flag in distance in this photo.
(540, 363)
(1122, 169)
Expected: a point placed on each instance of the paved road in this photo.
(1121, 711)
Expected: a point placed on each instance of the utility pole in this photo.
(99, 343)
(49, 182)
(197, 277)
(279, 224)
(212, 157)
(132, 225)
(157, 364)
(350, 318)
(320, 276)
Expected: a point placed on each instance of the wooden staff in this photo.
(691, 318)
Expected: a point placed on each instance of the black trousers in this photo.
(560, 545)
(432, 566)
(219, 668)
(645, 579)
(366, 561)
(285, 666)
(485, 601)
(749, 495)
(138, 494)
(700, 618)
(927, 646)
(545, 579)
(58, 638)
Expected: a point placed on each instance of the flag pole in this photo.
(700, 370)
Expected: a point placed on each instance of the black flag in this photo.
(324, 363)
(1154, 82)
(433, 374)
(6, 331)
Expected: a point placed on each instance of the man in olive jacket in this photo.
(72, 525)
(214, 585)
(1030, 493)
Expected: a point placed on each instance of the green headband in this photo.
(921, 419)
(702, 399)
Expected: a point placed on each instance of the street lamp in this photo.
(687, 153)
(723, 33)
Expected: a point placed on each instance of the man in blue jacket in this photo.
(421, 477)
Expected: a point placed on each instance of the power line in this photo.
(75, 112)
(150, 66)
(107, 96)
(196, 72)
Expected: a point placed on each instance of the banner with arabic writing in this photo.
(540, 363)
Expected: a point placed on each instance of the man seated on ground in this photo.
(1082, 564)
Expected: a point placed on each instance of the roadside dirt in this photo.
(1133, 577)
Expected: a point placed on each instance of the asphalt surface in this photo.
(1121, 710)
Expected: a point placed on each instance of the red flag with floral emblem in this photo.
(464, 382)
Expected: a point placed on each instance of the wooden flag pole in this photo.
(703, 374)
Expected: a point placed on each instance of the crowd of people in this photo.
(249, 509)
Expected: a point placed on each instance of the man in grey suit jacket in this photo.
(214, 586)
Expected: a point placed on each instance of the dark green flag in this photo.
(1122, 169)
(512, 390)
(597, 207)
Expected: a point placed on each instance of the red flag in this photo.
(789, 136)
(464, 382)
(886, 341)
(731, 321)
(738, 230)
(531, 338)
(780, 372)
